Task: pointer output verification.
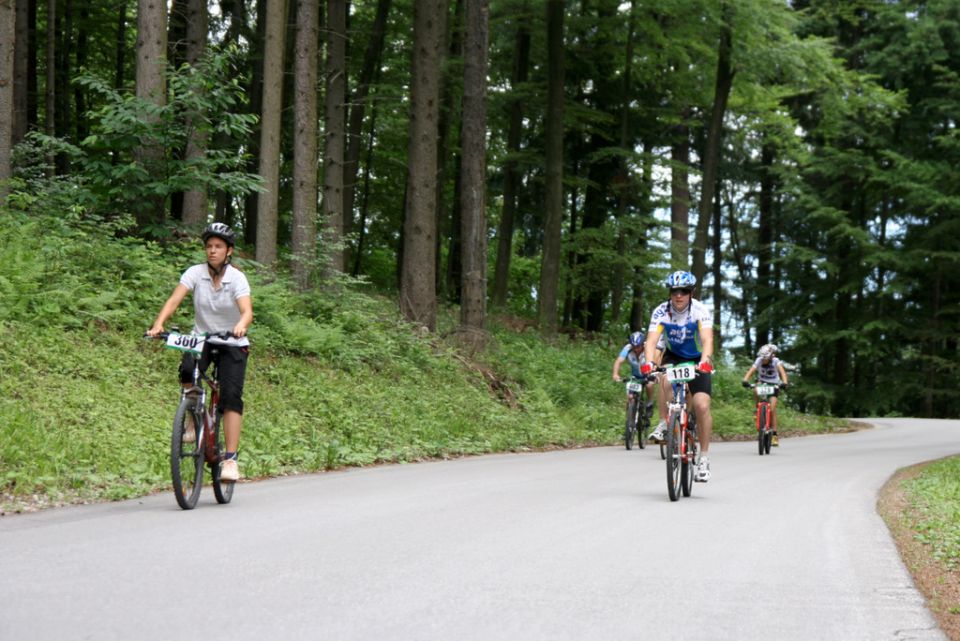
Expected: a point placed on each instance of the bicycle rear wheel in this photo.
(186, 459)
(631, 427)
(688, 465)
(223, 491)
(763, 437)
(674, 464)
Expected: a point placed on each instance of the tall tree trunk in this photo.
(304, 236)
(7, 46)
(743, 271)
(764, 295)
(717, 273)
(711, 156)
(21, 64)
(252, 200)
(121, 50)
(448, 283)
(511, 176)
(623, 176)
(333, 138)
(550, 264)
(64, 112)
(365, 193)
(80, 92)
(418, 297)
(358, 104)
(195, 201)
(51, 80)
(570, 288)
(234, 13)
(267, 200)
(151, 86)
(452, 284)
(638, 318)
(680, 200)
(473, 178)
(33, 82)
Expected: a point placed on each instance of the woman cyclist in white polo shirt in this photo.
(221, 303)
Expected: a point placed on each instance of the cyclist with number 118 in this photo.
(221, 303)
(687, 328)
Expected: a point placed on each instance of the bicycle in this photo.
(763, 415)
(682, 448)
(638, 413)
(187, 458)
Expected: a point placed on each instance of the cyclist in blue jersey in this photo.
(633, 353)
(686, 326)
(770, 371)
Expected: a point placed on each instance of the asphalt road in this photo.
(579, 544)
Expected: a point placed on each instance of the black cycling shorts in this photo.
(702, 383)
(232, 363)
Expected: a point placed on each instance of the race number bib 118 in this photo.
(682, 372)
(186, 342)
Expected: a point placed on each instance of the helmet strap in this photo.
(219, 272)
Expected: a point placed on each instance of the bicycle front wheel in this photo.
(631, 427)
(186, 458)
(674, 464)
(643, 423)
(763, 436)
(223, 491)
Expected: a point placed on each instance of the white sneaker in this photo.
(702, 474)
(229, 471)
(657, 434)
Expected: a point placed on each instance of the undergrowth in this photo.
(335, 377)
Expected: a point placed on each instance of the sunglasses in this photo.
(680, 290)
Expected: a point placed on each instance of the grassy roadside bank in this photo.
(921, 506)
(84, 415)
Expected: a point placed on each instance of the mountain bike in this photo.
(638, 413)
(186, 457)
(682, 448)
(763, 416)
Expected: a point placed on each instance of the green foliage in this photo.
(113, 176)
(935, 497)
(335, 378)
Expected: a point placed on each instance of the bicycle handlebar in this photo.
(164, 335)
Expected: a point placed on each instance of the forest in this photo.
(543, 160)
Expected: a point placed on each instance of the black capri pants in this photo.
(232, 362)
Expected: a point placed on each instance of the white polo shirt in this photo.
(216, 310)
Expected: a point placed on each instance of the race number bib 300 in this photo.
(191, 343)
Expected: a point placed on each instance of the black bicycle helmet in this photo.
(222, 231)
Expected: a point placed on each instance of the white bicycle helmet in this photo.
(767, 351)
(681, 280)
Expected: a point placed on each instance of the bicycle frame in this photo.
(682, 447)
(206, 412)
(679, 404)
(763, 418)
(186, 462)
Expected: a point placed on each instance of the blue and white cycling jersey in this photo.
(681, 330)
(632, 358)
(767, 373)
